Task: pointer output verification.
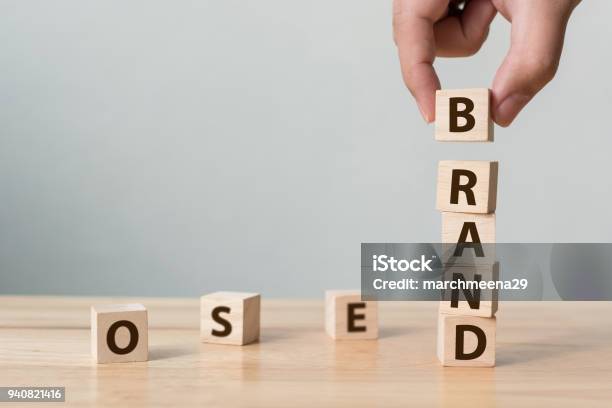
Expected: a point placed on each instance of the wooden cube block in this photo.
(467, 186)
(468, 238)
(466, 341)
(474, 302)
(119, 333)
(466, 227)
(463, 115)
(347, 317)
(230, 318)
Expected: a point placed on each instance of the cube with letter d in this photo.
(466, 341)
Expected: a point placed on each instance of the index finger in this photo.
(413, 30)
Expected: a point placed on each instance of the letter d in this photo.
(481, 345)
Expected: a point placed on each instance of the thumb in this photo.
(536, 44)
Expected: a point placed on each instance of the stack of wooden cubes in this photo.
(467, 198)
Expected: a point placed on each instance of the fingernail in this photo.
(510, 107)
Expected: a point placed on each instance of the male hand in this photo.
(424, 29)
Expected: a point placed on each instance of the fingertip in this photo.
(503, 124)
(427, 106)
(426, 112)
(508, 109)
(423, 83)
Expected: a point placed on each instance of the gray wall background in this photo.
(175, 148)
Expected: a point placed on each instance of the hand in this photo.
(423, 29)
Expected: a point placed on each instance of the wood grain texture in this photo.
(484, 189)
(482, 130)
(548, 354)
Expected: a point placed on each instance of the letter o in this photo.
(112, 331)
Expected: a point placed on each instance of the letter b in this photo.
(455, 114)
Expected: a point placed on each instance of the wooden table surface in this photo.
(548, 354)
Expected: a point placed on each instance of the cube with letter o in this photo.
(119, 333)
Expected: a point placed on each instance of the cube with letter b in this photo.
(230, 318)
(348, 317)
(463, 115)
(119, 333)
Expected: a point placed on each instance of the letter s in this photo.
(227, 326)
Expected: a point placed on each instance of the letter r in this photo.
(456, 186)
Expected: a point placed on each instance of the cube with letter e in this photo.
(348, 317)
